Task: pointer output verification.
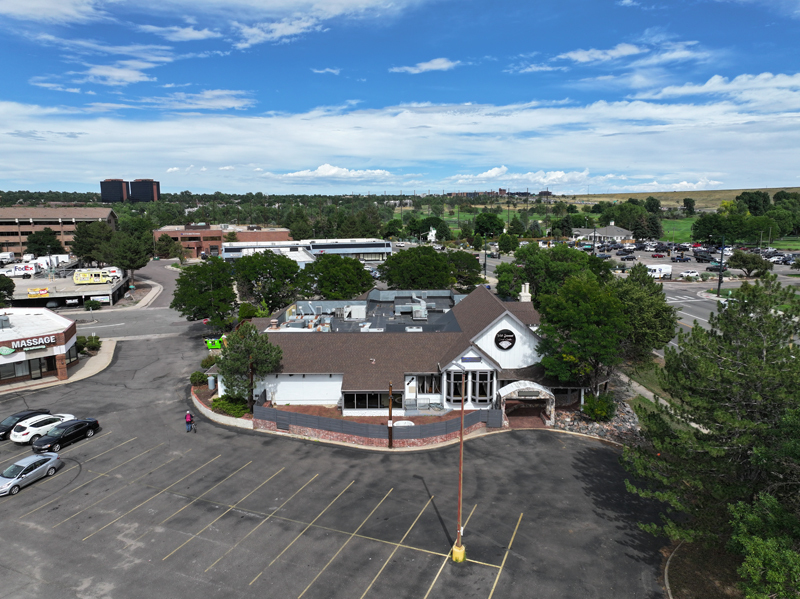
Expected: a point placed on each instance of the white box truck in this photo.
(660, 271)
(6, 257)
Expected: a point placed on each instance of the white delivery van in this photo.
(22, 270)
(28, 257)
(7, 257)
(660, 271)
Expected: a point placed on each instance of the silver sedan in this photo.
(28, 470)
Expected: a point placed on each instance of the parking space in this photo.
(144, 509)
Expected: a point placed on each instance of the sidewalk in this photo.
(86, 367)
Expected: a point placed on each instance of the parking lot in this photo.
(145, 509)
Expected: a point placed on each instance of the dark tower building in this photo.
(145, 190)
(114, 190)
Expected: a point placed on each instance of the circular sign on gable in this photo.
(505, 339)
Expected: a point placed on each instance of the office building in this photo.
(17, 222)
(114, 190)
(145, 190)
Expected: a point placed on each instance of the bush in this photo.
(705, 276)
(247, 311)
(80, 343)
(232, 406)
(601, 408)
(92, 305)
(208, 361)
(93, 343)
(198, 378)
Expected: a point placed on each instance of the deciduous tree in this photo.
(205, 290)
(334, 277)
(465, 271)
(44, 242)
(269, 278)
(583, 325)
(416, 268)
(247, 354)
(749, 263)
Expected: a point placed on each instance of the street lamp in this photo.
(721, 265)
(459, 551)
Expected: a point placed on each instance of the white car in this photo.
(399, 244)
(31, 429)
(690, 273)
(776, 259)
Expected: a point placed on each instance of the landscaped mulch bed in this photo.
(700, 571)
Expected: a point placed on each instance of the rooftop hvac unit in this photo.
(413, 329)
(5, 322)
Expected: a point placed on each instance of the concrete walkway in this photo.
(86, 367)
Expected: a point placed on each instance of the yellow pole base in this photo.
(459, 554)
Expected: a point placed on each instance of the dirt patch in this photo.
(137, 295)
(204, 394)
(333, 412)
(701, 571)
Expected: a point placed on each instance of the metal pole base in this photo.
(459, 554)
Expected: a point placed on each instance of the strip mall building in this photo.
(433, 347)
(35, 343)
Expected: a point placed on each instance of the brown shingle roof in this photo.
(351, 354)
(524, 311)
(53, 213)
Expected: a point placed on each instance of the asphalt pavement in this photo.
(145, 509)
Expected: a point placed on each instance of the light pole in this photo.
(390, 423)
(459, 551)
(721, 266)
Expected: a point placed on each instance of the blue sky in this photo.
(340, 96)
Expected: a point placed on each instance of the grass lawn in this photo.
(678, 230)
(647, 376)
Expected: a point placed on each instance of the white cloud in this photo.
(788, 7)
(533, 68)
(328, 172)
(123, 72)
(437, 64)
(52, 11)
(40, 82)
(180, 34)
(328, 70)
(275, 31)
(615, 146)
(226, 168)
(672, 52)
(210, 99)
(627, 3)
(258, 169)
(594, 56)
(174, 169)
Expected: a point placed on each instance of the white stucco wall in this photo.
(521, 355)
(285, 389)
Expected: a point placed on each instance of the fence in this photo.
(353, 431)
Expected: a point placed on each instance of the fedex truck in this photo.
(660, 271)
(26, 271)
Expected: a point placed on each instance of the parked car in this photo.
(681, 259)
(715, 268)
(628, 257)
(31, 429)
(399, 244)
(703, 258)
(604, 256)
(658, 256)
(621, 253)
(65, 433)
(776, 259)
(689, 273)
(27, 470)
(9, 423)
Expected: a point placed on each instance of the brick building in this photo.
(18, 222)
(35, 343)
(202, 238)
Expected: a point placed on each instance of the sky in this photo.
(400, 96)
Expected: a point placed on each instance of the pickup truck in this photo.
(704, 258)
(681, 259)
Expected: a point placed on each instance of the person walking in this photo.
(189, 421)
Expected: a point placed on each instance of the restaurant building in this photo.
(435, 348)
(35, 343)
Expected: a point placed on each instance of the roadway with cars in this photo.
(143, 509)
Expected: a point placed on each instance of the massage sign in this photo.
(30, 344)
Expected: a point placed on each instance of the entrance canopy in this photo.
(527, 390)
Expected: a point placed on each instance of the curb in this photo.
(666, 570)
(155, 291)
(98, 363)
(240, 423)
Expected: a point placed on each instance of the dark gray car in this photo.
(27, 470)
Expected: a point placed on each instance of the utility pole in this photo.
(459, 551)
(721, 266)
(390, 423)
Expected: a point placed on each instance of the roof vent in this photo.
(5, 321)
